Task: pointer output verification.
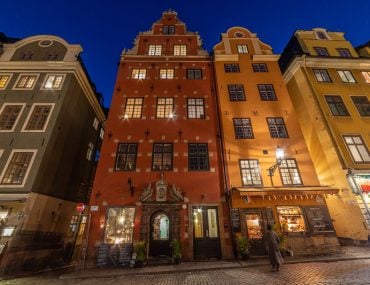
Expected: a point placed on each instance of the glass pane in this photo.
(253, 223)
(212, 223)
(161, 227)
(119, 225)
(198, 223)
(291, 219)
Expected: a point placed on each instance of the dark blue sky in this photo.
(105, 27)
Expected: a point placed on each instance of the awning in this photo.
(283, 191)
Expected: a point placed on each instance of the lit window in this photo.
(126, 157)
(196, 108)
(164, 108)
(277, 127)
(4, 79)
(166, 73)
(289, 172)
(291, 219)
(231, 67)
(322, 75)
(26, 81)
(101, 133)
(96, 124)
(9, 115)
(336, 105)
(346, 76)
(179, 50)
(242, 48)
(243, 128)
(133, 108)
(38, 117)
(155, 50)
(7, 231)
(250, 172)
(267, 92)
(53, 82)
(357, 149)
(344, 52)
(321, 51)
(90, 150)
(366, 75)
(198, 156)
(17, 167)
(236, 92)
(259, 67)
(120, 225)
(4, 214)
(138, 73)
(162, 156)
(194, 74)
(362, 104)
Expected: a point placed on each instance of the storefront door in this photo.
(206, 233)
(255, 231)
(160, 235)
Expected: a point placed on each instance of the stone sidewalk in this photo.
(346, 253)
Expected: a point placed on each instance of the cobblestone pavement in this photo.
(315, 273)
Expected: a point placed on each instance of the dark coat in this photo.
(272, 241)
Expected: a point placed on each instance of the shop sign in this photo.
(94, 208)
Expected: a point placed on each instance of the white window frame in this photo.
(7, 82)
(155, 50)
(242, 48)
(352, 154)
(29, 116)
(166, 73)
(19, 115)
(26, 88)
(34, 151)
(179, 50)
(366, 75)
(346, 76)
(43, 87)
(138, 73)
(90, 150)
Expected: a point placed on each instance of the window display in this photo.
(291, 219)
(119, 225)
(253, 223)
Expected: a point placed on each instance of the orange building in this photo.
(271, 177)
(159, 175)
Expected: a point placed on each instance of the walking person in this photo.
(272, 240)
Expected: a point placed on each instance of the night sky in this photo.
(104, 28)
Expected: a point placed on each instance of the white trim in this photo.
(34, 151)
(18, 117)
(30, 113)
(10, 77)
(53, 74)
(26, 74)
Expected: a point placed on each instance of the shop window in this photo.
(119, 225)
(318, 219)
(161, 227)
(73, 226)
(253, 225)
(291, 219)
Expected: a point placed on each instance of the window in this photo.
(133, 108)
(322, 75)
(344, 52)
(17, 167)
(119, 225)
(196, 108)
(96, 124)
(51, 56)
(236, 92)
(162, 156)
(9, 116)
(231, 67)
(90, 150)
(138, 73)
(289, 172)
(242, 48)
(198, 156)
(168, 30)
(194, 74)
(155, 50)
(277, 127)
(267, 92)
(38, 117)
(346, 76)
(126, 157)
(250, 172)
(336, 105)
(243, 128)
(365, 74)
(101, 133)
(291, 219)
(179, 50)
(321, 35)
(259, 67)
(321, 51)
(26, 81)
(166, 73)
(362, 104)
(27, 55)
(358, 150)
(4, 79)
(164, 108)
(7, 231)
(53, 82)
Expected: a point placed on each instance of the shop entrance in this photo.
(159, 245)
(255, 231)
(206, 241)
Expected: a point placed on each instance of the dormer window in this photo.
(168, 30)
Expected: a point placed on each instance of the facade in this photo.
(259, 124)
(159, 176)
(329, 84)
(50, 127)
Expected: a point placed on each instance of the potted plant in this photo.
(140, 251)
(176, 251)
(243, 247)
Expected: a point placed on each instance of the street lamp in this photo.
(279, 158)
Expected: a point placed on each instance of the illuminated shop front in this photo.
(119, 225)
(361, 187)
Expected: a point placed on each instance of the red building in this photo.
(159, 176)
